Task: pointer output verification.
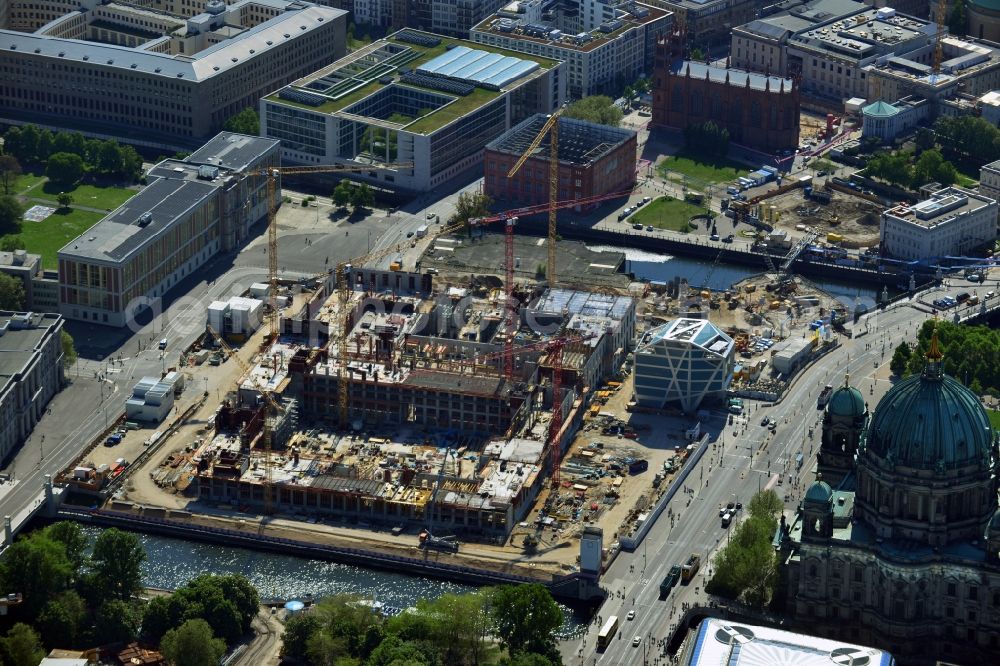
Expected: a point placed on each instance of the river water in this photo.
(664, 267)
(171, 563)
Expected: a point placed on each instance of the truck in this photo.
(397, 263)
(670, 580)
(421, 231)
(735, 406)
(824, 396)
(690, 568)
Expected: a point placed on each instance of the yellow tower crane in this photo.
(551, 127)
(938, 46)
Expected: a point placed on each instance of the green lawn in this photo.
(667, 213)
(994, 418)
(964, 181)
(712, 170)
(51, 234)
(104, 198)
(25, 182)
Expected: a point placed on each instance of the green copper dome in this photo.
(819, 492)
(931, 422)
(847, 401)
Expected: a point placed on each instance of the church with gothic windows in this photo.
(897, 542)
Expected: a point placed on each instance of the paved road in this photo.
(691, 523)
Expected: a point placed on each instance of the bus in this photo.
(607, 633)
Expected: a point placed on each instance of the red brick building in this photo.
(760, 111)
(593, 160)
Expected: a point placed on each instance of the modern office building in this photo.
(413, 98)
(161, 74)
(32, 371)
(593, 160)
(952, 222)
(41, 287)
(189, 211)
(718, 641)
(902, 552)
(705, 22)
(759, 111)
(968, 67)
(605, 46)
(451, 17)
(683, 362)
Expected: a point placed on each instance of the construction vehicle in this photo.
(530, 542)
(427, 539)
(690, 568)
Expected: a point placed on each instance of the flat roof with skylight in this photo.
(412, 80)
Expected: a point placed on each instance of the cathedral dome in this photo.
(847, 401)
(819, 492)
(931, 422)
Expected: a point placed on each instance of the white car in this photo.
(636, 641)
(630, 616)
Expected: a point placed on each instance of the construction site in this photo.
(836, 213)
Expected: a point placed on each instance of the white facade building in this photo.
(32, 371)
(952, 222)
(683, 362)
(989, 180)
(604, 46)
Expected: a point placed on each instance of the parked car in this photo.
(728, 239)
(649, 227)
(630, 616)
(714, 237)
(637, 641)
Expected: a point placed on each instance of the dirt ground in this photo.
(856, 219)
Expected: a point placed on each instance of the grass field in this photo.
(51, 234)
(104, 198)
(667, 213)
(713, 170)
(994, 418)
(25, 182)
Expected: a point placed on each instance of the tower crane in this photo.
(551, 127)
(273, 176)
(942, 7)
(272, 404)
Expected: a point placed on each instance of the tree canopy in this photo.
(10, 169)
(245, 122)
(68, 348)
(469, 205)
(227, 603)
(746, 567)
(65, 169)
(116, 561)
(31, 145)
(706, 138)
(968, 136)
(599, 109)
(971, 354)
(192, 644)
(11, 293)
(902, 168)
(10, 215)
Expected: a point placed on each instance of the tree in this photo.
(68, 348)
(227, 603)
(9, 243)
(706, 138)
(65, 169)
(298, 630)
(116, 562)
(68, 532)
(599, 109)
(766, 504)
(37, 567)
(10, 215)
(525, 617)
(116, 622)
(957, 19)
(394, 652)
(527, 659)
(746, 567)
(22, 143)
(109, 157)
(923, 139)
(62, 619)
(342, 194)
(192, 644)
(245, 122)
(362, 196)
(697, 55)
(65, 200)
(629, 94)
(10, 169)
(131, 164)
(900, 358)
(469, 205)
(70, 142)
(22, 646)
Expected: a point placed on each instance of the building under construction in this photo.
(594, 160)
(436, 431)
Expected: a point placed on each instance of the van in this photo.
(727, 519)
(163, 343)
(963, 297)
